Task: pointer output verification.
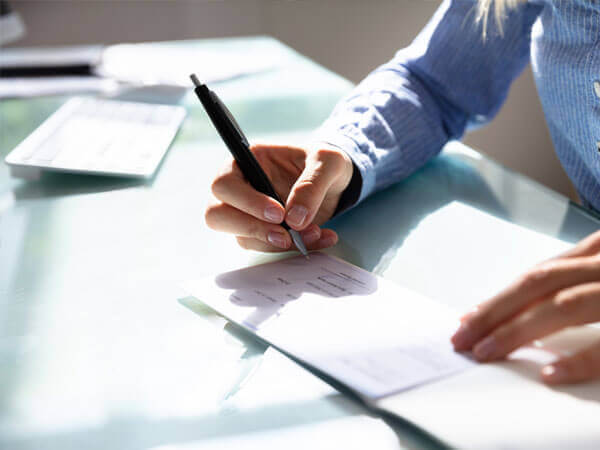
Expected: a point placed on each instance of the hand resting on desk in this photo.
(559, 293)
(311, 181)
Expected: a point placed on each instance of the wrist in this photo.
(350, 195)
(350, 184)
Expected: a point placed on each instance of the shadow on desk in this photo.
(52, 185)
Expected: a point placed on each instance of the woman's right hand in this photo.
(311, 181)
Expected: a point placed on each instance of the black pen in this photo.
(237, 144)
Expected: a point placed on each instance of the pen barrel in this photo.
(238, 146)
(236, 143)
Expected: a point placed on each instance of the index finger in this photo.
(586, 247)
(232, 188)
(538, 283)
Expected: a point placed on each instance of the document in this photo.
(391, 345)
(372, 335)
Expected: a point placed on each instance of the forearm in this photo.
(447, 80)
(390, 126)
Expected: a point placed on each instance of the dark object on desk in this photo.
(50, 61)
(5, 8)
(239, 147)
(45, 71)
(11, 25)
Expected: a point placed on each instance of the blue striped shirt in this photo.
(450, 80)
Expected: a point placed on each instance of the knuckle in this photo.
(537, 275)
(261, 150)
(256, 231)
(594, 263)
(307, 186)
(509, 336)
(210, 216)
(218, 185)
(329, 155)
(530, 278)
(479, 323)
(568, 302)
(264, 153)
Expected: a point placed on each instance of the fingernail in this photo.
(554, 374)
(463, 337)
(296, 216)
(311, 236)
(277, 239)
(273, 214)
(485, 349)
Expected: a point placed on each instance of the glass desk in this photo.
(97, 346)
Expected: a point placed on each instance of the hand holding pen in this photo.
(311, 181)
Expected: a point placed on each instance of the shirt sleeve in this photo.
(448, 80)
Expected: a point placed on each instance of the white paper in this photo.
(471, 255)
(171, 64)
(506, 405)
(41, 86)
(372, 335)
(380, 372)
(461, 256)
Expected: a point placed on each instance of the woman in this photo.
(455, 75)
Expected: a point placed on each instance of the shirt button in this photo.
(597, 88)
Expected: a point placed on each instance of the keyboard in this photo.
(102, 137)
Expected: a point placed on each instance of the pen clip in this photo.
(224, 108)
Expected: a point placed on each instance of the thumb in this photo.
(322, 169)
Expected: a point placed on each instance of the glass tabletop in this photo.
(98, 346)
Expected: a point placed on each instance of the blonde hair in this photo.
(500, 7)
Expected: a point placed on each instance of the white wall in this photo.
(348, 36)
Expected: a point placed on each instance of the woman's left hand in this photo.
(556, 294)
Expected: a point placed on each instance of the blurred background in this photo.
(350, 37)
